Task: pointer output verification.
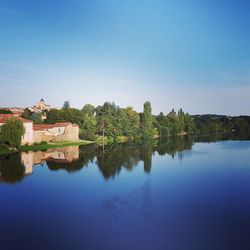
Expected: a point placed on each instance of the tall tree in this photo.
(12, 132)
(66, 105)
(88, 127)
(147, 120)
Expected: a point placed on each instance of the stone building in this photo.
(28, 137)
(63, 131)
(36, 133)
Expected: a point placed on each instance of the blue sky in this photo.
(189, 54)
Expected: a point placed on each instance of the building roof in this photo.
(5, 117)
(38, 127)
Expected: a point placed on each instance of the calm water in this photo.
(174, 195)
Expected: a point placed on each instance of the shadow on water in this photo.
(111, 161)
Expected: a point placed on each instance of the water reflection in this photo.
(110, 161)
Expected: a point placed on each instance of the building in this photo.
(40, 108)
(28, 137)
(37, 133)
(63, 131)
(15, 110)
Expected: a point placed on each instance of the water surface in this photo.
(176, 194)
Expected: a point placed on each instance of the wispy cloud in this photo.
(31, 68)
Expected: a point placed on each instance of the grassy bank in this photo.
(5, 150)
(54, 145)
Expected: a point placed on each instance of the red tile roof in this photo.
(38, 127)
(5, 117)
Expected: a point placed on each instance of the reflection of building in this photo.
(64, 131)
(59, 155)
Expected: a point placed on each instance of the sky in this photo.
(193, 55)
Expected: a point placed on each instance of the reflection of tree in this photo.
(110, 162)
(117, 156)
(174, 145)
(146, 152)
(11, 168)
(221, 137)
(86, 154)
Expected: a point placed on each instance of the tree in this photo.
(147, 120)
(66, 105)
(12, 132)
(88, 127)
(5, 111)
(65, 115)
(107, 118)
(129, 122)
(88, 109)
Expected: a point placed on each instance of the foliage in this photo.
(11, 168)
(66, 105)
(211, 124)
(5, 111)
(12, 132)
(147, 121)
(33, 116)
(88, 125)
(65, 115)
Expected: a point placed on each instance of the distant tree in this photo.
(12, 132)
(33, 116)
(36, 117)
(66, 105)
(88, 109)
(65, 115)
(5, 111)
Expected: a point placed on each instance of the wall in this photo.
(27, 138)
(57, 134)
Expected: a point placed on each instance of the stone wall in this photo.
(57, 134)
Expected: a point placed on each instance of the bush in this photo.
(44, 143)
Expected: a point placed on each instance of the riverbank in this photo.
(54, 145)
(5, 150)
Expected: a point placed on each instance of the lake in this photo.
(174, 194)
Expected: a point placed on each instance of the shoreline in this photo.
(37, 147)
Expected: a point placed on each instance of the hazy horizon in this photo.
(194, 56)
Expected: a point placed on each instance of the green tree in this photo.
(147, 121)
(88, 127)
(88, 109)
(107, 118)
(12, 132)
(66, 105)
(5, 111)
(65, 115)
(129, 122)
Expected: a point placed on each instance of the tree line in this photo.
(111, 122)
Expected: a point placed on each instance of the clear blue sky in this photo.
(189, 54)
